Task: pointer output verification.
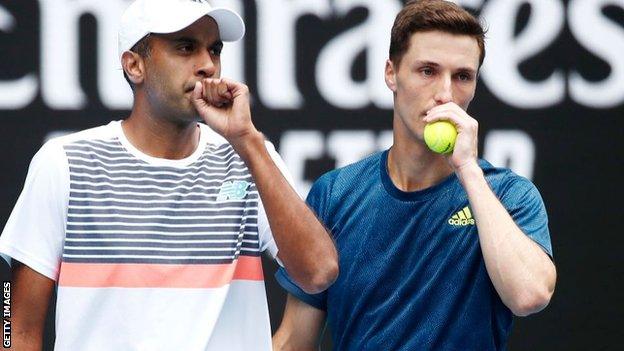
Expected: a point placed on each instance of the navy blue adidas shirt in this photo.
(412, 276)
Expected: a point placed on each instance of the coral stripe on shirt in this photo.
(101, 275)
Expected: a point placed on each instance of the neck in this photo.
(158, 136)
(412, 166)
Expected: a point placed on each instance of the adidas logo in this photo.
(462, 218)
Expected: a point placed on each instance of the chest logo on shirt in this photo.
(462, 218)
(233, 190)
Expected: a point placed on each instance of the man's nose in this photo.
(444, 90)
(206, 67)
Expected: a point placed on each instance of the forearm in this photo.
(523, 275)
(305, 247)
(300, 328)
(31, 296)
(285, 341)
(26, 342)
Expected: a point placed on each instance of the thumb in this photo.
(197, 99)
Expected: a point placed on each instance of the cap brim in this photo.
(231, 25)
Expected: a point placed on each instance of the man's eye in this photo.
(464, 77)
(427, 71)
(186, 48)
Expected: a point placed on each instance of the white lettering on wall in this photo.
(59, 54)
(277, 84)
(348, 146)
(505, 52)
(513, 149)
(586, 14)
(59, 80)
(333, 68)
(115, 93)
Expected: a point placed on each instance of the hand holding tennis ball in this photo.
(440, 136)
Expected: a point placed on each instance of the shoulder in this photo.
(357, 170)
(503, 179)
(334, 189)
(349, 180)
(53, 153)
(104, 132)
(353, 174)
(58, 146)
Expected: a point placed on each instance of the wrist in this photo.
(469, 172)
(248, 144)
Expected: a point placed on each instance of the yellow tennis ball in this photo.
(440, 136)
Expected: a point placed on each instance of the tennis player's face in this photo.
(178, 60)
(437, 68)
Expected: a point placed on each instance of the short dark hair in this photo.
(142, 47)
(431, 15)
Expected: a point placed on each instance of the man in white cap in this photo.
(151, 228)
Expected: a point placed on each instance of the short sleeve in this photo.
(318, 199)
(319, 196)
(267, 243)
(35, 230)
(525, 205)
(318, 301)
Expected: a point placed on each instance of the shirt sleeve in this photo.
(318, 301)
(35, 231)
(267, 243)
(525, 205)
(318, 200)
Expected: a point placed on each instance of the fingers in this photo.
(215, 92)
(197, 96)
(454, 114)
(237, 90)
(197, 91)
(465, 151)
(444, 112)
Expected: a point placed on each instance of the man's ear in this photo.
(390, 75)
(134, 66)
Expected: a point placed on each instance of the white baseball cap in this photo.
(168, 16)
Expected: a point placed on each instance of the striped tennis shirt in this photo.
(147, 253)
